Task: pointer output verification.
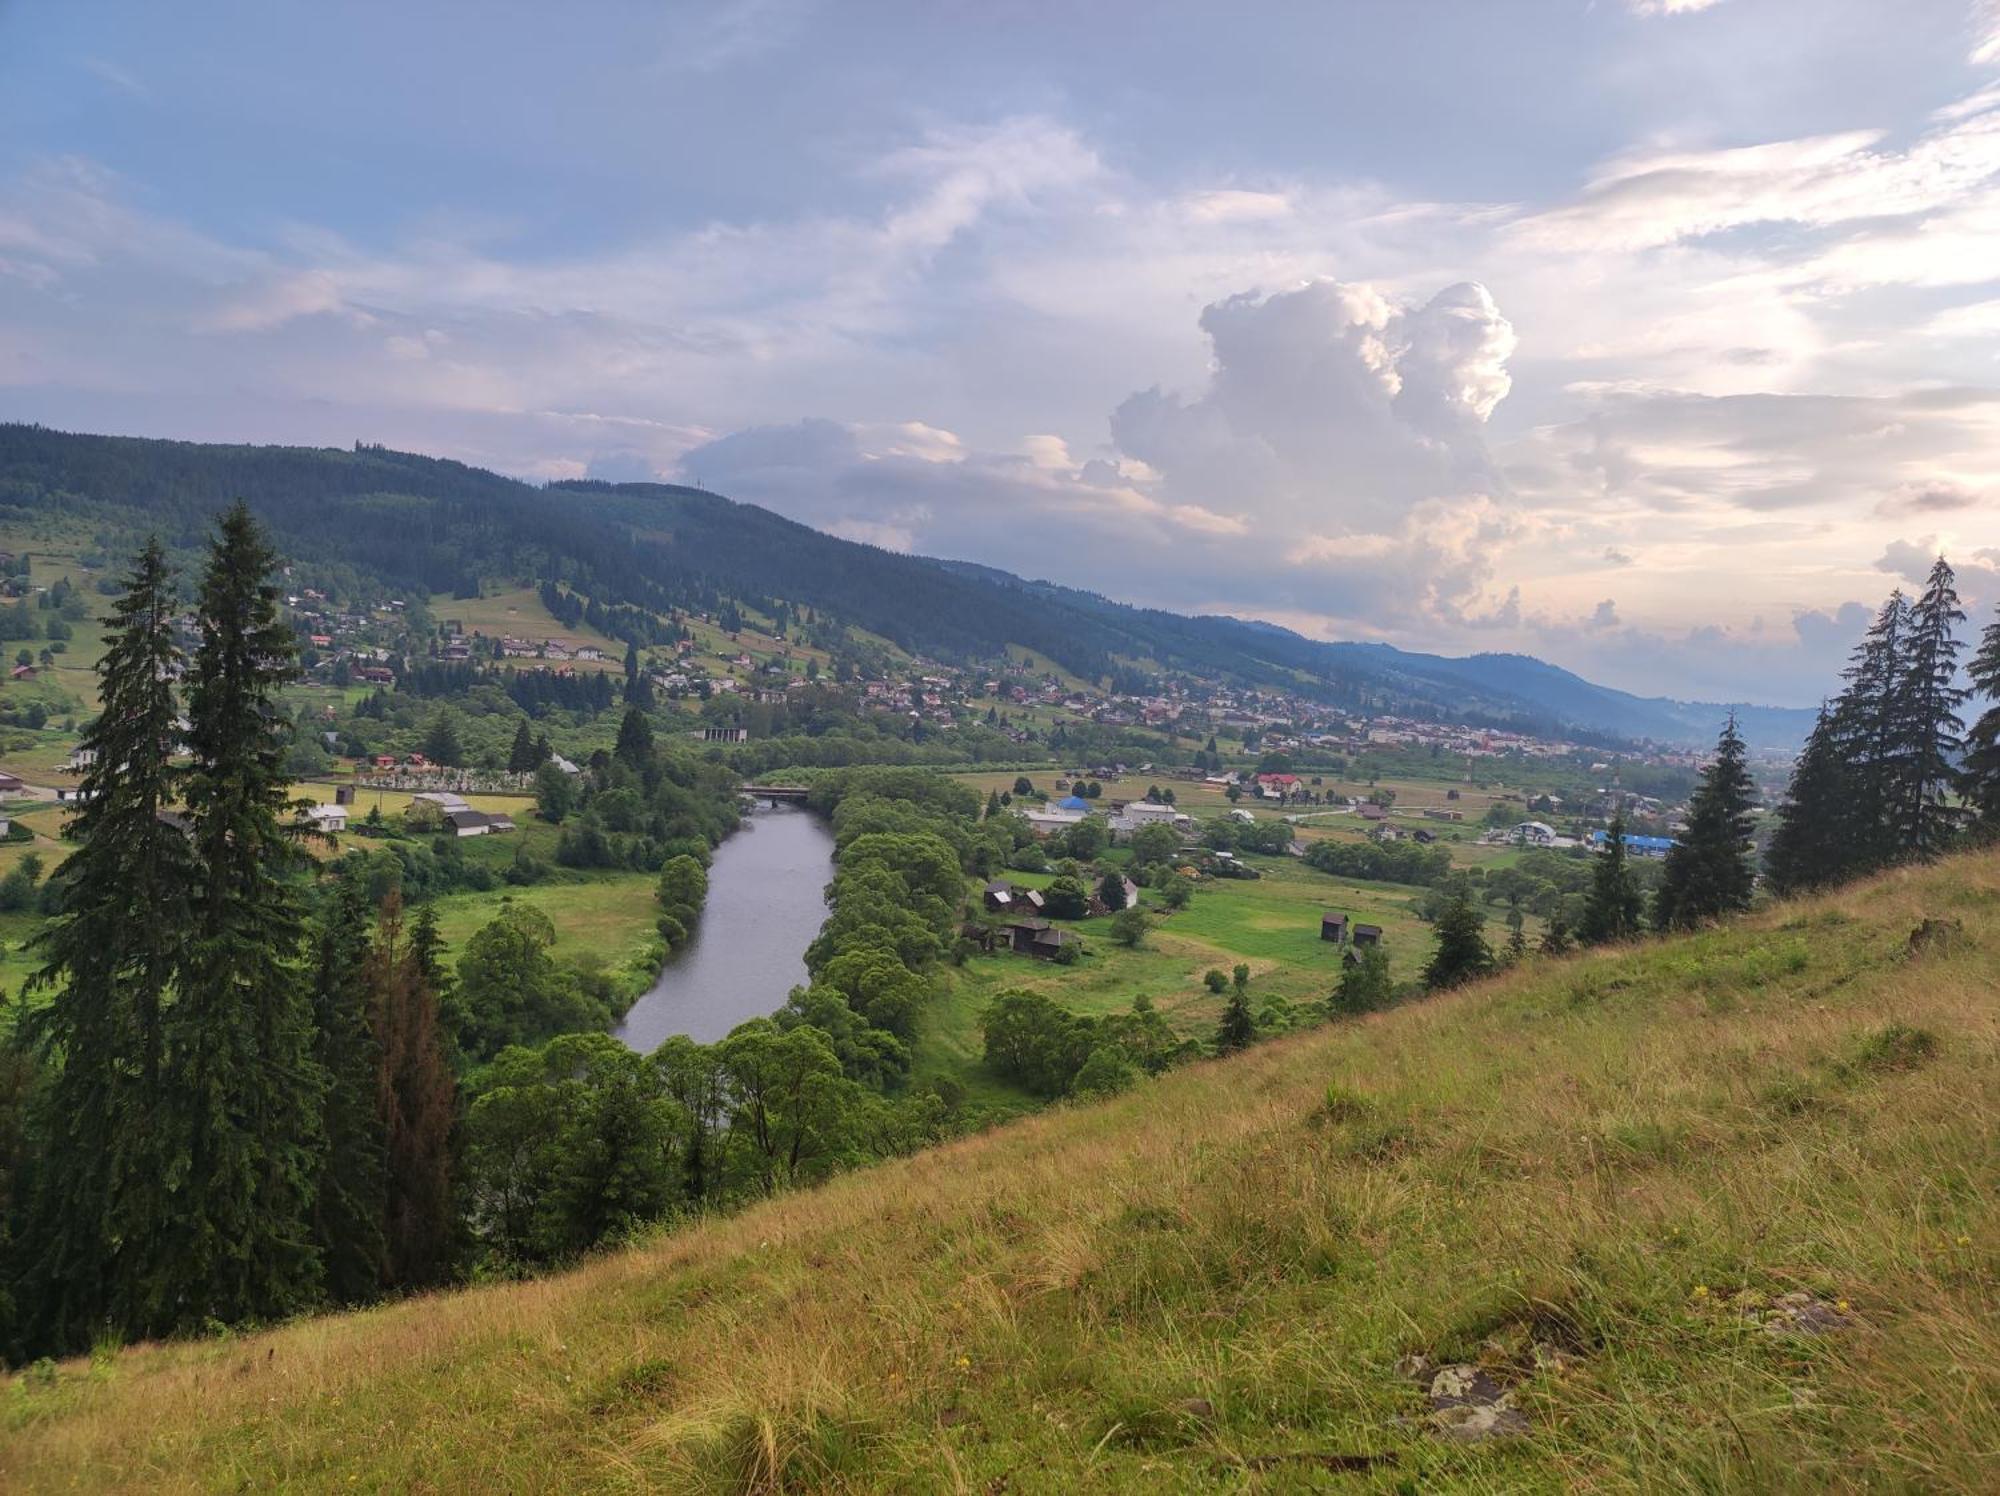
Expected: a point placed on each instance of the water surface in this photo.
(766, 902)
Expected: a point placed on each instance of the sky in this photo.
(1657, 338)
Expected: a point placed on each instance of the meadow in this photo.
(1596, 1178)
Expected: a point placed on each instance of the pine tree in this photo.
(1709, 872)
(1238, 1030)
(1811, 847)
(1555, 937)
(521, 757)
(349, 1191)
(1461, 953)
(111, 956)
(1925, 817)
(243, 1093)
(1870, 737)
(1614, 907)
(635, 740)
(1982, 744)
(416, 1101)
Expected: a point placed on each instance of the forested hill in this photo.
(423, 522)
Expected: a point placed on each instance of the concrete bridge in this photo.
(776, 792)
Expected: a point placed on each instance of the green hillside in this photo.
(1712, 1214)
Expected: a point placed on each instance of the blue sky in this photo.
(1655, 337)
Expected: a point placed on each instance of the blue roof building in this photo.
(1073, 802)
(1638, 846)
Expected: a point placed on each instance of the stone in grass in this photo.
(1468, 1406)
(1463, 1386)
(1802, 1314)
(1470, 1423)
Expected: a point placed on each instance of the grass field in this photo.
(1595, 1178)
(519, 612)
(1271, 924)
(609, 918)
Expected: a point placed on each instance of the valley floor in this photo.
(1596, 1179)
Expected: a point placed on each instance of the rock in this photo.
(1463, 1386)
(1802, 1314)
(1472, 1423)
(1938, 935)
(1198, 1407)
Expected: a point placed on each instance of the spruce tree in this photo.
(111, 956)
(243, 1092)
(635, 740)
(1811, 847)
(521, 757)
(1871, 737)
(1709, 871)
(1982, 744)
(416, 1101)
(1461, 953)
(349, 1192)
(1925, 816)
(1556, 938)
(1238, 1030)
(1614, 907)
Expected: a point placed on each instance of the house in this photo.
(24, 672)
(1048, 819)
(1436, 814)
(331, 819)
(1367, 935)
(1535, 834)
(476, 823)
(589, 652)
(1038, 938)
(444, 800)
(1074, 802)
(1333, 927)
(723, 734)
(1003, 897)
(564, 764)
(1368, 810)
(11, 784)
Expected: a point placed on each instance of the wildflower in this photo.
(1965, 1241)
(1841, 1306)
(964, 1361)
(1701, 1290)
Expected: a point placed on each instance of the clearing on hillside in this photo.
(1712, 1214)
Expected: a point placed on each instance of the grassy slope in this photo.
(1598, 1152)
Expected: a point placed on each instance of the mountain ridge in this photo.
(447, 526)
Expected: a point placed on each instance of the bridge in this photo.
(776, 792)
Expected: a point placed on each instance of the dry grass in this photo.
(1598, 1154)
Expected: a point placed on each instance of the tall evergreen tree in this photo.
(1614, 907)
(521, 758)
(1710, 872)
(1925, 816)
(635, 739)
(1811, 847)
(111, 955)
(349, 1191)
(1982, 744)
(416, 1101)
(1238, 1030)
(1871, 737)
(1461, 953)
(244, 1094)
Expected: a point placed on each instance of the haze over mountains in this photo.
(444, 526)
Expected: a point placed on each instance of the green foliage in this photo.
(1215, 981)
(1364, 986)
(1461, 953)
(1129, 927)
(1614, 907)
(1238, 1030)
(1710, 871)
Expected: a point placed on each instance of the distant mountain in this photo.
(423, 522)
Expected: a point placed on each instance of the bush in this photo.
(1215, 981)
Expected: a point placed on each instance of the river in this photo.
(766, 902)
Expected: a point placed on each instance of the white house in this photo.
(328, 818)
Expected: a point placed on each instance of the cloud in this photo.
(1603, 616)
(1669, 7)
